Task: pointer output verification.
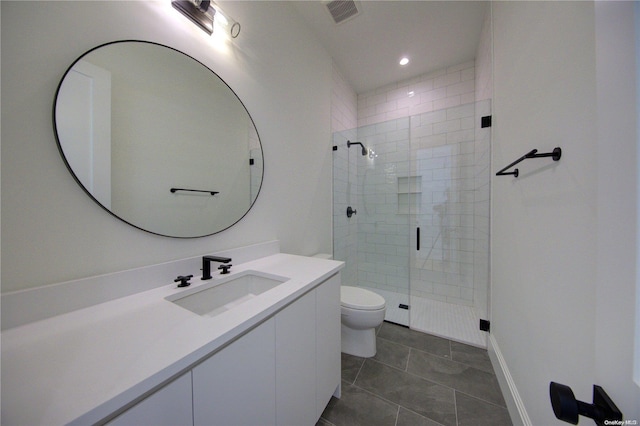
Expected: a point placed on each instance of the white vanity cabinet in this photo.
(308, 355)
(170, 406)
(328, 341)
(236, 386)
(282, 372)
(296, 362)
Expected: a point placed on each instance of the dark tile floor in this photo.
(417, 379)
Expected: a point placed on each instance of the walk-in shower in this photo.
(421, 234)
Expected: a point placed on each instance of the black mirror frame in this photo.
(55, 131)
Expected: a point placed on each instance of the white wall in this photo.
(53, 232)
(637, 345)
(617, 205)
(563, 234)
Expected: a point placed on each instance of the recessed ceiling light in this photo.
(404, 61)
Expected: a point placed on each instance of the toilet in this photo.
(361, 312)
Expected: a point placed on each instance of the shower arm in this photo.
(364, 150)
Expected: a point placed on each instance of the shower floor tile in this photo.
(448, 320)
(455, 322)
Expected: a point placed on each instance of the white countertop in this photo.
(81, 366)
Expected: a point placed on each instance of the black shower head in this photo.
(364, 150)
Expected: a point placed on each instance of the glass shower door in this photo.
(383, 225)
(374, 240)
(445, 189)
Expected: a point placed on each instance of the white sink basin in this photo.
(222, 295)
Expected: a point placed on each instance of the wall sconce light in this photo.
(225, 22)
(198, 12)
(204, 13)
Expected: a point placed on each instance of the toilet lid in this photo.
(360, 298)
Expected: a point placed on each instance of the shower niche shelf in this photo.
(409, 192)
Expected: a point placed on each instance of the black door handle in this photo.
(566, 408)
(418, 238)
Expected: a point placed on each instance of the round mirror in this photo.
(158, 139)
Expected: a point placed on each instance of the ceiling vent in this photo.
(342, 10)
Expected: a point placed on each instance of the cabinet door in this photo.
(296, 362)
(328, 341)
(236, 386)
(170, 406)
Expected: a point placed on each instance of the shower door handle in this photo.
(418, 238)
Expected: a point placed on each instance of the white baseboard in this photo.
(516, 407)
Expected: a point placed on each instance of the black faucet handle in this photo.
(225, 268)
(184, 280)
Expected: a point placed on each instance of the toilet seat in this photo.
(360, 298)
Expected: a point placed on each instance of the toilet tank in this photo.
(323, 256)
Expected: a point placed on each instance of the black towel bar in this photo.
(193, 190)
(556, 154)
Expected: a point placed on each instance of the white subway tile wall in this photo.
(443, 151)
(344, 114)
(434, 91)
(427, 163)
(439, 189)
(383, 229)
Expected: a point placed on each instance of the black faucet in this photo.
(206, 265)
